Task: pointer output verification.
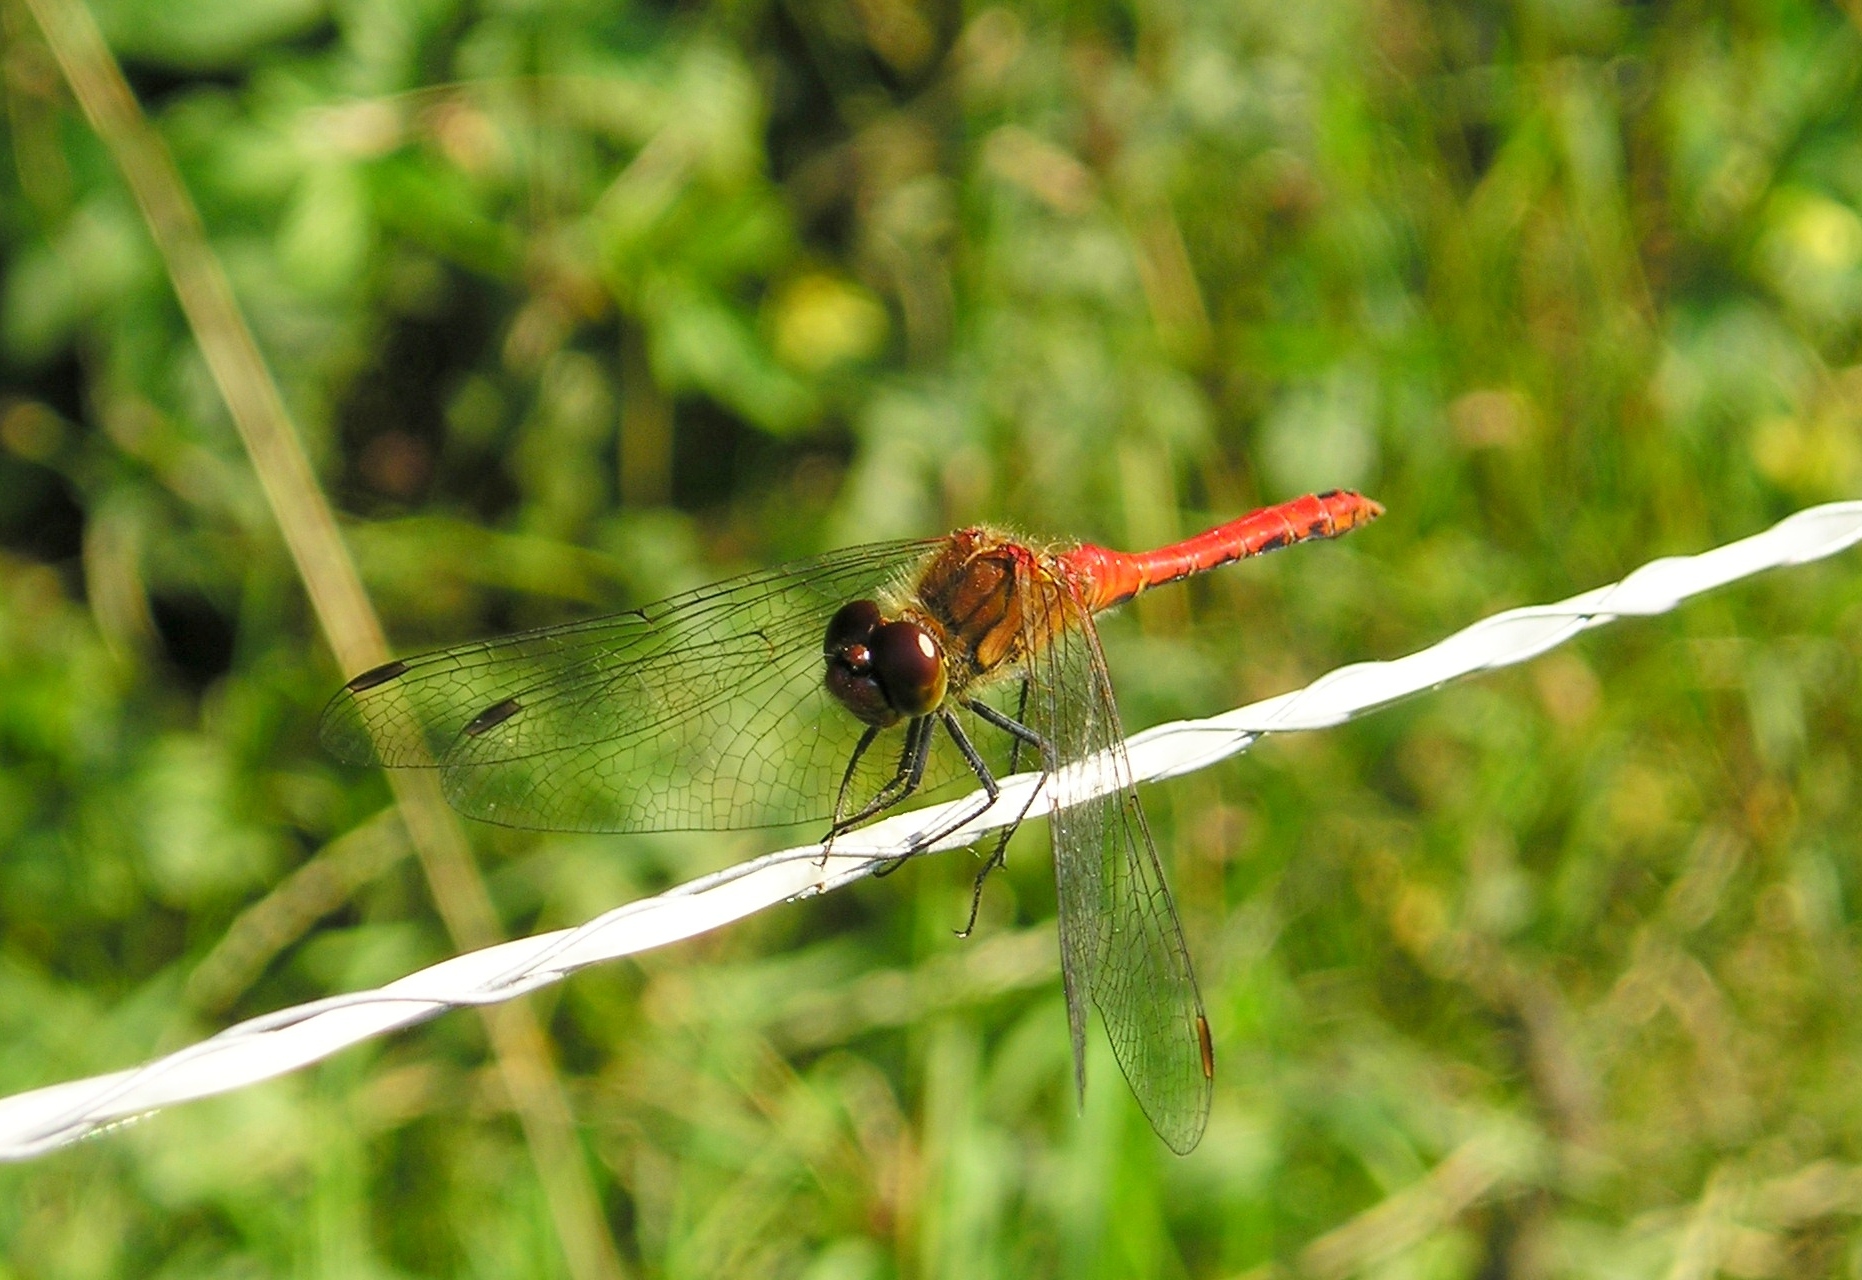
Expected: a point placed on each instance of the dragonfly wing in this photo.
(705, 710)
(1121, 943)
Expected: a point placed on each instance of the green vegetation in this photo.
(1549, 974)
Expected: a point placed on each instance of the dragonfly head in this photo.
(882, 671)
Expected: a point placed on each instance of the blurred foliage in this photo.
(1550, 974)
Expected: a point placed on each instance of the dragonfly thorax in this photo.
(883, 671)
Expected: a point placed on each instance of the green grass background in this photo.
(1553, 973)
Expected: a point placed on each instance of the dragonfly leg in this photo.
(840, 797)
(972, 757)
(910, 785)
(999, 855)
(991, 790)
(1020, 734)
(1016, 729)
(1021, 718)
(904, 781)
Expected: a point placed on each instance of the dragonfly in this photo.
(836, 689)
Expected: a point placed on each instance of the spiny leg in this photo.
(853, 763)
(1019, 733)
(1014, 727)
(904, 782)
(840, 797)
(999, 855)
(924, 754)
(910, 774)
(991, 789)
(984, 776)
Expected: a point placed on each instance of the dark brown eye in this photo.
(850, 676)
(910, 667)
(853, 625)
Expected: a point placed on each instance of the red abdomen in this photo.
(1107, 577)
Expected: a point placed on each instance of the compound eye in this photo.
(852, 626)
(860, 693)
(910, 667)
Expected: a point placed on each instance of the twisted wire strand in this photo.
(42, 1120)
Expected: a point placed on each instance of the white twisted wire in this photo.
(43, 1119)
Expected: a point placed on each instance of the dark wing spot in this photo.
(1207, 1045)
(493, 716)
(376, 675)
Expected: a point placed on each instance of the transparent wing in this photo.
(1120, 939)
(704, 710)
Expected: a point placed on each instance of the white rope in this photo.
(43, 1119)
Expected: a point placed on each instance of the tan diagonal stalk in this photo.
(336, 592)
